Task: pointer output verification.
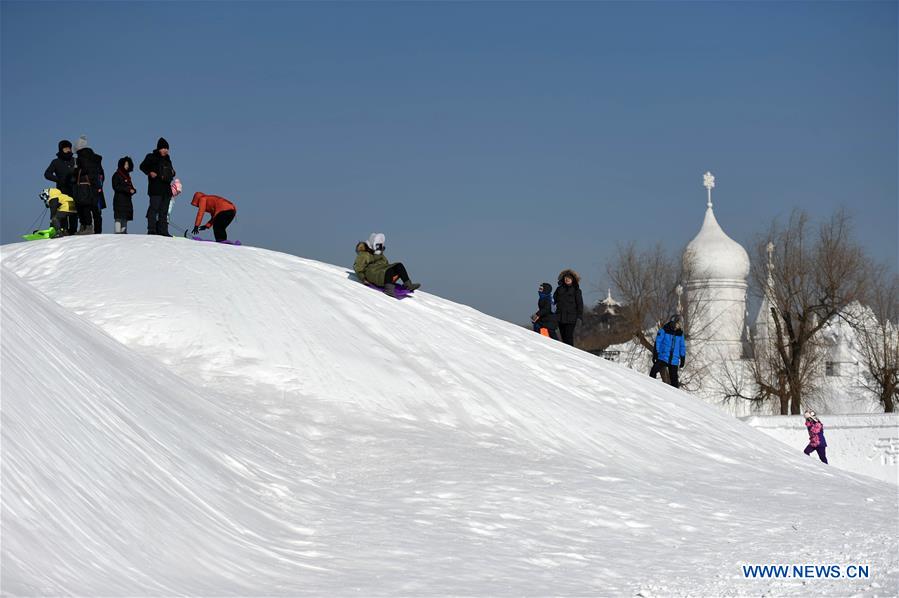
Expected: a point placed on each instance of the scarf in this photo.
(125, 177)
(547, 296)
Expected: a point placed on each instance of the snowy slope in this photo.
(190, 418)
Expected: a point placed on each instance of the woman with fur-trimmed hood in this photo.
(569, 304)
(371, 266)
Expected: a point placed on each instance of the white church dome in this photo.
(713, 255)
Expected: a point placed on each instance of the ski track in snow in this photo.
(189, 418)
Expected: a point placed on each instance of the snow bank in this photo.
(191, 418)
(867, 444)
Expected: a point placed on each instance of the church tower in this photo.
(717, 268)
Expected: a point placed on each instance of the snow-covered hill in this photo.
(189, 418)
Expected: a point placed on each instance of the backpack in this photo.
(84, 191)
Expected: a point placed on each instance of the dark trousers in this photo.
(396, 272)
(567, 332)
(158, 215)
(89, 215)
(672, 372)
(98, 219)
(61, 221)
(72, 224)
(821, 451)
(220, 223)
(84, 215)
(58, 220)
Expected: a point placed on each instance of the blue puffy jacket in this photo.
(670, 345)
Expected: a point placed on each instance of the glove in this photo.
(683, 360)
(204, 227)
(196, 230)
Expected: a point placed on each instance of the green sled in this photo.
(47, 233)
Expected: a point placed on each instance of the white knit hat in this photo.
(376, 242)
(81, 143)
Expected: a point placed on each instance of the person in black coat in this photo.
(569, 304)
(89, 198)
(122, 206)
(61, 171)
(545, 319)
(160, 174)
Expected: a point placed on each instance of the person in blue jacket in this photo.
(670, 350)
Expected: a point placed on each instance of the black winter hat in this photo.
(546, 287)
(130, 163)
(65, 143)
(162, 144)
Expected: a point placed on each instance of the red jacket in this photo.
(212, 204)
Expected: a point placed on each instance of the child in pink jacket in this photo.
(816, 441)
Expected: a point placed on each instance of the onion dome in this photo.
(712, 255)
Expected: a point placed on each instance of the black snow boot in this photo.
(162, 228)
(390, 289)
(411, 286)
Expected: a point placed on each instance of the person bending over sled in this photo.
(221, 213)
(372, 267)
(816, 440)
(62, 208)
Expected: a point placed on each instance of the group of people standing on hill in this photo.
(79, 175)
(560, 310)
(79, 198)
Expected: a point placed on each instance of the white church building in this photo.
(716, 277)
(716, 280)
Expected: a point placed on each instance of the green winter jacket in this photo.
(370, 267)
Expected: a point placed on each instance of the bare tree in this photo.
(646, 283)
(763, 377)
(812, 277)
(877, 331)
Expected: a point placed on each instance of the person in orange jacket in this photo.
(221, 213)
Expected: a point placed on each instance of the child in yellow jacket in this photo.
(61, 208)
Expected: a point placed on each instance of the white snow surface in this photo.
(863, 443)
(197, 419)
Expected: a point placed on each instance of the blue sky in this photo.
(494, 143)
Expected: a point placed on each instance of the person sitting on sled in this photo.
(221, 213)
(62, 207)
(372, 267)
